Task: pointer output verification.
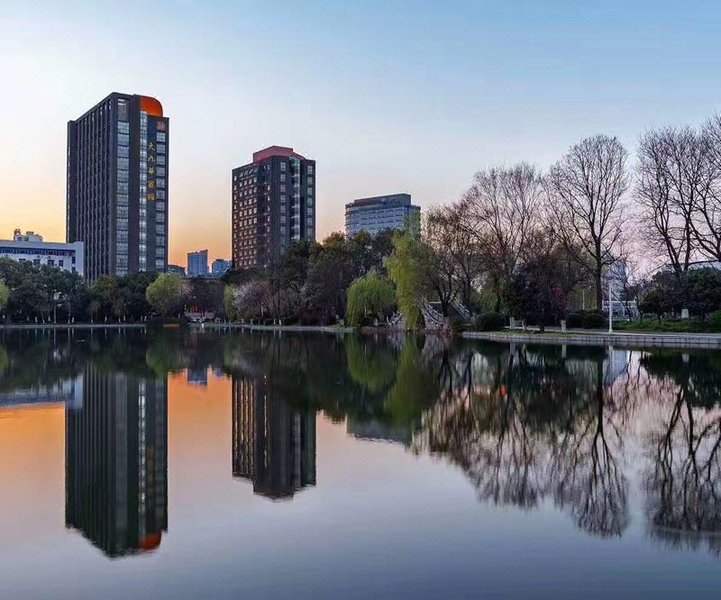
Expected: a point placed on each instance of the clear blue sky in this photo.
(386, 96)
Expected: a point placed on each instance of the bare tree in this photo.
(674, 178)
(502, 209)
(585, 202)
(446, 227)
(439, 268)
(707, 216)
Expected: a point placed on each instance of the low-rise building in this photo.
(177, 269)
(30, 247)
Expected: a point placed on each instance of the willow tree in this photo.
(405, 268)
(369, 296)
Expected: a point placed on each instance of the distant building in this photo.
(177, 269)
(274, 205)
(378, 213)
(198, 263)
(220, 267)
(117, 185)
(30, 247)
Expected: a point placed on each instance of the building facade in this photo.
(177, 269)
(30, 247)
(274, 204)
(220, 267)
(378, 213)
(198, 263)
(117, 185)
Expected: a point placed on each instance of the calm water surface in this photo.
(204, 465)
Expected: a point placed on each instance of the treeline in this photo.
(42, 294)
(522, 243)
(311, 281)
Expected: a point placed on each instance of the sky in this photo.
(387, 96)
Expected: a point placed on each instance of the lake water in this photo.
(208, 465)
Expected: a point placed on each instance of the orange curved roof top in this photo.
(151, 106)
(152, 540)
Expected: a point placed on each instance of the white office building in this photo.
(30, 247)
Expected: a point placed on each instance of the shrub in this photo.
(490, 321)
(593, 320)
(714, 321)
(574, 320)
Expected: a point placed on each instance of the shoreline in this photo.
(620, 339)
(574, 337)
(9, 326)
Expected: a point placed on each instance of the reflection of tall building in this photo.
(273, 445)
(116, 464)
(198, 376)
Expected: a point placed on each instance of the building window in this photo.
(123, 139)
(160, 137)
(123, 127)
(161, 148)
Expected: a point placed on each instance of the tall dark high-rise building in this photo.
(273, 444)
(116, 462)
(117, 185)
(274, 204)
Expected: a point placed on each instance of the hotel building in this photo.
(117, 185)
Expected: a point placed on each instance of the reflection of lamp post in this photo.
(56, 296)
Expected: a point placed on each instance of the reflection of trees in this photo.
(683, 486)
(585, 469)
(529, 423)
(370, 364)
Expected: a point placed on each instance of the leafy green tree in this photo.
(405, 268)
(165, 294)
(4, 295)
(369, 297)
(704, 287)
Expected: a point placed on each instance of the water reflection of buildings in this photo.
(116, 466)
(198, 376)
(67, 391)
(273, 445)
(377, 431)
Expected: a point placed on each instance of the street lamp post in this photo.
(610, 308)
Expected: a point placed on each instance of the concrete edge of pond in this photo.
(72, 326)
(280, 328)
(622, 339)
